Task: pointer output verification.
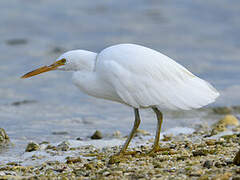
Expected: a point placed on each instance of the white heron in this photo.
(136, 76)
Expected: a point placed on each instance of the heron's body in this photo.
(141, 77)
(136, 76)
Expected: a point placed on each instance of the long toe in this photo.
(154, 150)
(116, 158)
(121, 157)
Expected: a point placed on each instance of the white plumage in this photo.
(142, 77)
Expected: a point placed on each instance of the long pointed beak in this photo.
(44, 69)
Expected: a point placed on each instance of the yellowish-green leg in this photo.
(134, 129)
(120, 156)
(159, 125)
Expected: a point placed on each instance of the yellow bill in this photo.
(45, 69)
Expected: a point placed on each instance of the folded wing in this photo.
(143, 77)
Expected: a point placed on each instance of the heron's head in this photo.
(75, 60)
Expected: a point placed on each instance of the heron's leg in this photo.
(134, 129)
(159, 125)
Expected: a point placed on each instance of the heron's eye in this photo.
(60, 62)
(63, 61)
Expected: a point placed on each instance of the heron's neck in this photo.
(90, 83)
(88, 61)
(86, 81)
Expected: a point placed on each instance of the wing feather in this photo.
(143, 77)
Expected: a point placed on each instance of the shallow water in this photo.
(203, 36)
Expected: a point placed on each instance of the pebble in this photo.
(201, 152)
(225, 176)
(208, 164)
(167, 138)
(4, 139)
(140, 132)
(64, 146)
(32, 146)
(97, 135)
(229, 120)
(73, 160)
(79, 139)
(117, 134)
(221, 125)
(236, 159)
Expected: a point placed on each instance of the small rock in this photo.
(44, 142)
(225, 176)
(32, 146)
(218, 165)
(79, 139)
(210, 142)
(220, 126)
(208, 164)
(228, 137)
(228, 162)
(229, 120)
(4, 139)
(196, 173)
(117, 134)
(236, 160)
(167, 137)
(217, 129)
(117, 173)
(72, 160)
(54, 148)
(80, 172)
(97, 135)
(13, 164)
(88, 166)
(238, 171)
(114, 159)
(236, 129)
(106, 173)
(201, 152)
(52, 163)
(64, 146)
(142, 132)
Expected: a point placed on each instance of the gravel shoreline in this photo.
(208, 153)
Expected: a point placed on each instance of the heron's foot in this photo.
(132, 153)
(122, 156)
(116, 158)
(155, 149)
